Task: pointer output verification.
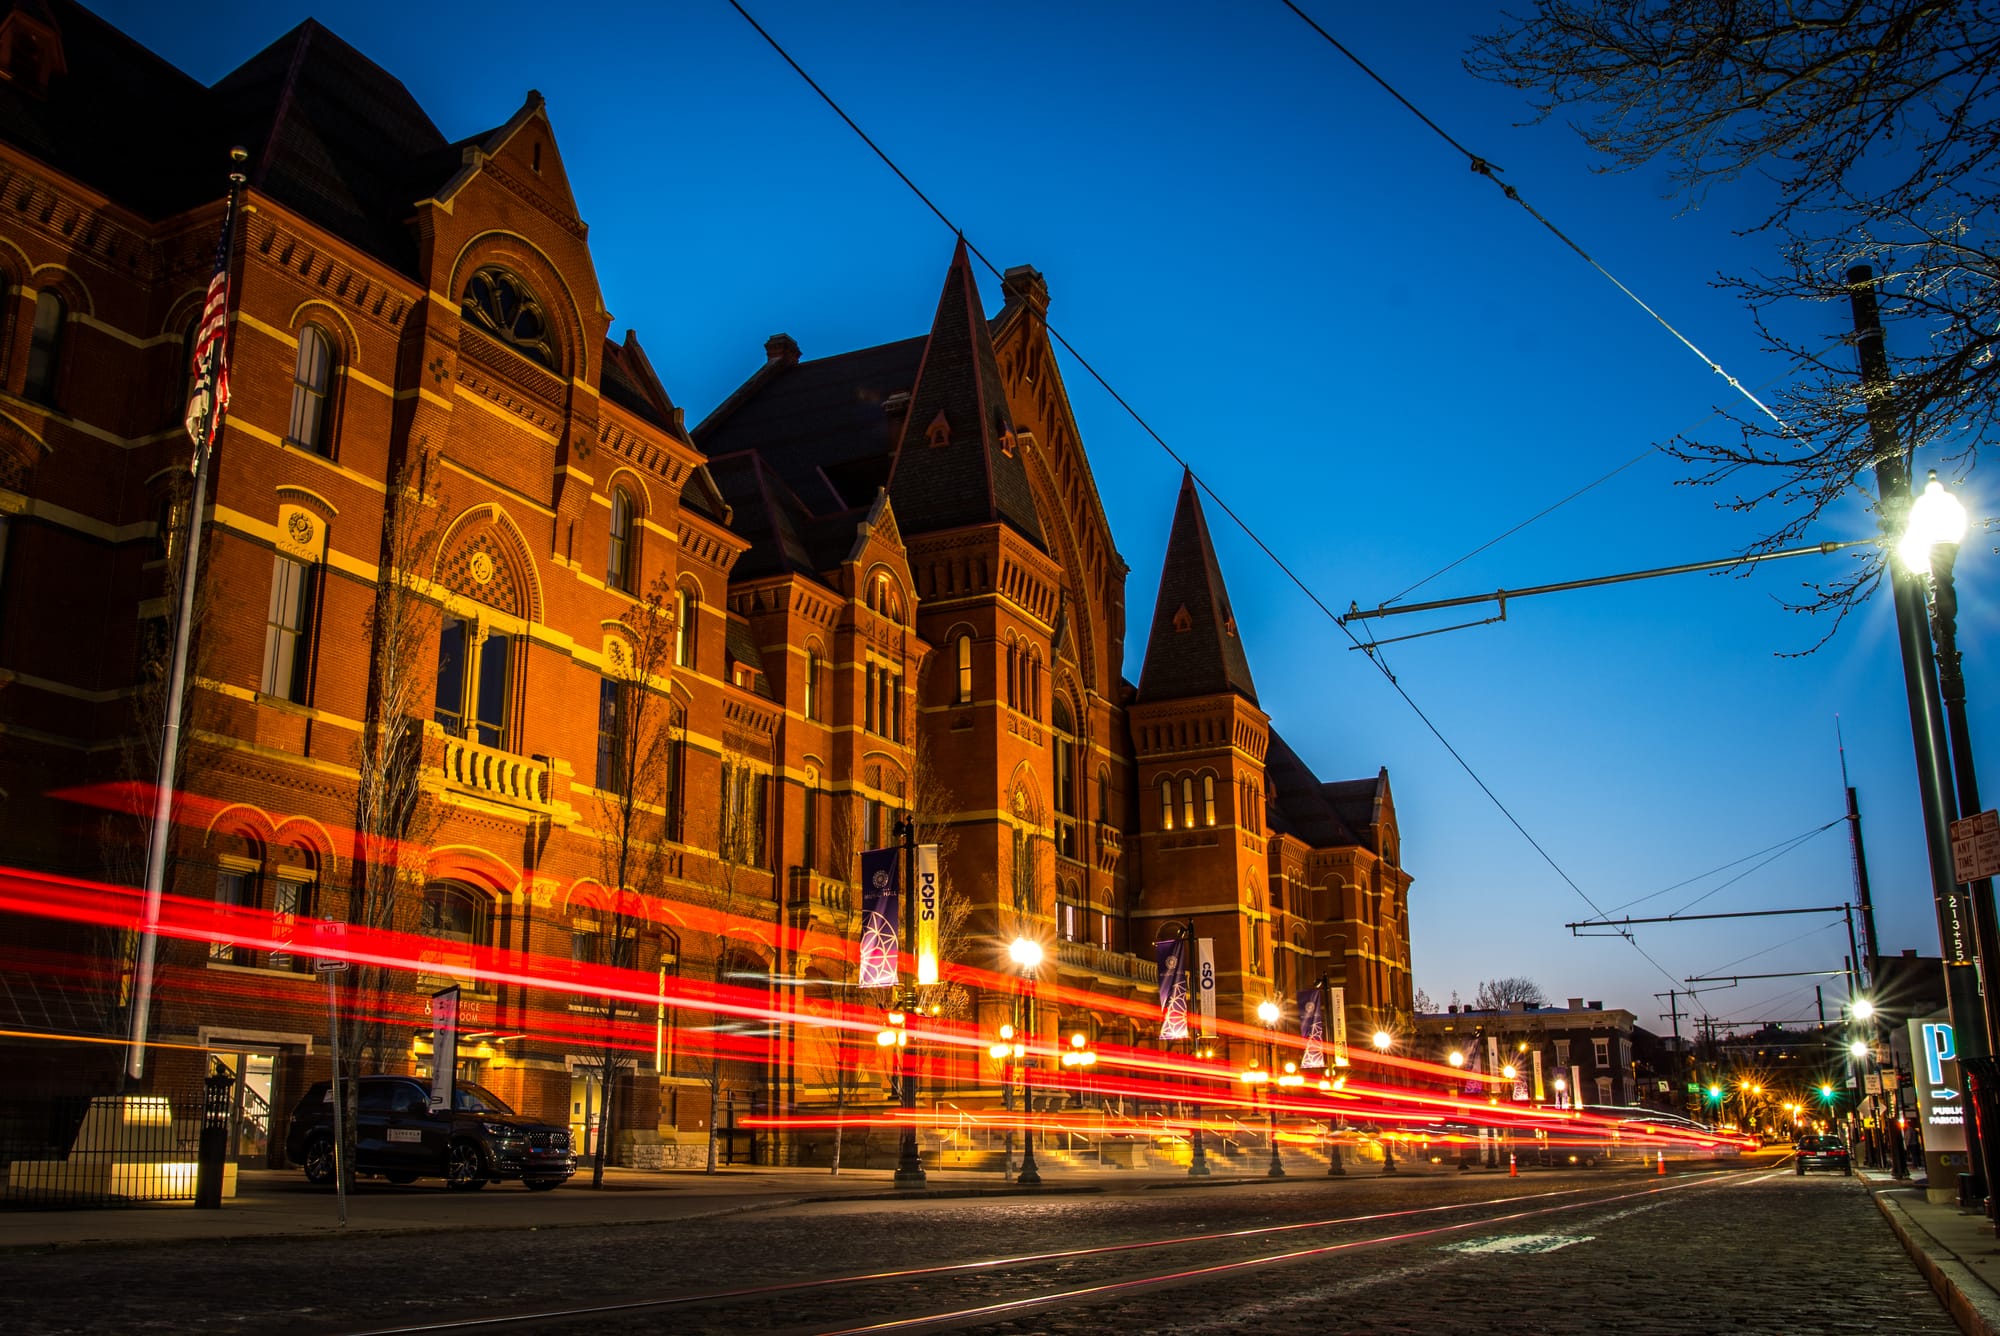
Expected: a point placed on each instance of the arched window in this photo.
(1187, 801)
(501, 304)
(45, 347)
(620, 570)
(964, 668)
(1208, 800)
(1065, 764)
(454, 913)
(311, 374)
(1256, 931)
(1013, 676)
(289, 630)
(1103, 795)
(1166, 804)
(687, 606)
(814, 668)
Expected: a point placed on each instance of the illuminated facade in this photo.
(889, 581)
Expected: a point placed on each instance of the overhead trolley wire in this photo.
(1491, 172)
(1175, 455)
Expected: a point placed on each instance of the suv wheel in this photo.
(465, 1167)
(319, 1162)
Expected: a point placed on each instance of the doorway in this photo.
(251, 1122)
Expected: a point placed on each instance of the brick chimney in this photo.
(782, 349)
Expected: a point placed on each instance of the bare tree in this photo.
(392, 819)
(1875, 123)
(636, 779)
(1499, 994)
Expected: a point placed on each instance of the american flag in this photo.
(208, 393)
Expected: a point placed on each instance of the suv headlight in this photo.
(501, 1131)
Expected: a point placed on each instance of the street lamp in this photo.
(1080, 1058)
(1268, 1012)
(1026, 953)
(1383, 1041)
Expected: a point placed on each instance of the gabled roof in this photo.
(1299, 804)
(1359, 802)
(957, 463)
(628, 380)
(1193, 648)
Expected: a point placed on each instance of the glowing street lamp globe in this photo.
(1025, 952)
(1383, 1039)
(1936, 516)
(1267, 1012)
(1455, 1058)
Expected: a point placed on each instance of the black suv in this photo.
(1824, 1153)
(399, 1137)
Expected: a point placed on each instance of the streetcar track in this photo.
(1162, 1280)
(995, 1265)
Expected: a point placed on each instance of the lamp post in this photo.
(1026, 953)
(1008, 1051)
(1268, 1012)
(1934, 526)
(909, 1163)
(1080, 1058)
(1383, 1041)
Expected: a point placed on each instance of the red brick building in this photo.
(887, 580)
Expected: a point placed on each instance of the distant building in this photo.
(1579, 1054)
(888, 580)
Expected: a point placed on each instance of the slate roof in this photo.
(121, 120)
(330, 133)
(628, 380)
(977, 476)
(743, 649)
(823, 426)
(1193, 648)
(1355, 800)
(1299, 804)
(835, 431)
(336, 137)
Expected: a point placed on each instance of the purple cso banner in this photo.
(1172, 958)
(881, 918)
(1312, 1029)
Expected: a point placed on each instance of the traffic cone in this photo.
(1513, 1169)
(1661, 1172)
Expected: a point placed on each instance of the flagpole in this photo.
(163, 797)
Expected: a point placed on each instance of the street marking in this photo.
(1513, 1244)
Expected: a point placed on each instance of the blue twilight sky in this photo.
(1375, 358)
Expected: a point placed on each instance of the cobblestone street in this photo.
(1769, 1253)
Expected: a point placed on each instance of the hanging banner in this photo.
(1172, 958)
(444, 1046)
(1474, 1066)
(1204, 983)
(881, 918)
(1540, 1094)
(1312, 1029)
(1336, 1002)
(927, 913)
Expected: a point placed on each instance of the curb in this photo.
(1949, 1278)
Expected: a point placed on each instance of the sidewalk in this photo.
(278, 1202)
(1956, 1250)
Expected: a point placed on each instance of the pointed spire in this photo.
(957, 462)
(1193, 648)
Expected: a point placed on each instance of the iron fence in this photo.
(76, 1141)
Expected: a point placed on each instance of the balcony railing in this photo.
(803, 886)
(1110, 964)
(518, 781)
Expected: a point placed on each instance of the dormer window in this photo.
(939, 432)
(502, 305)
